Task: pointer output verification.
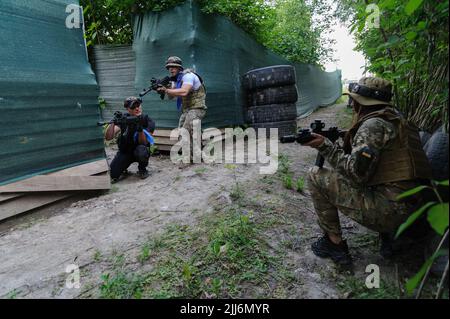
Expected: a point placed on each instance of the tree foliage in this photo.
(294, 34)
(410, 48)
(110, 21)
(285, 26)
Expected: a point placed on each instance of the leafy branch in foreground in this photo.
(438, 218)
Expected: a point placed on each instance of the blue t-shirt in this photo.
(192, 79)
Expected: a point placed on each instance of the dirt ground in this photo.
(37, 248)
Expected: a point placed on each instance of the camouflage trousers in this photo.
(186, 121)
(373, 207)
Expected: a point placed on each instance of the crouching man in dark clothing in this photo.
(134, 141)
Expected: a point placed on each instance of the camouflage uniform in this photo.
(188, 117)
(193, 105)
(345, 188)
(194, 108)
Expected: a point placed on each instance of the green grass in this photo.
(121, 285)
(287, 176)
(145, 253)
(200, 170)
(237, 193)
(153, 149)
(216, 260)
(288, 181)
(13, 294)
(356, 289)
(114, 189)
(343, 99)
(284, 171)
(284, 164)
(98, 256)
(300, 185)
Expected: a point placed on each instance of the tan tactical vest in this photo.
(403, 159)
(195, 99)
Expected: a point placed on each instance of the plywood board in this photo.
(7, 197)
(58, 183)
(30, 202)
(88, 169)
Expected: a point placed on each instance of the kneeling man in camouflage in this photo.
(381, 158)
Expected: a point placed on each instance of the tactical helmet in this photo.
(371, 91)
(174, 61)
(132, 102)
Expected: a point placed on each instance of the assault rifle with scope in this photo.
(155, 85)
(304, 136)
(123, 119)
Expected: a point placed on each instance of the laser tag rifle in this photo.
(155, 85)
(123, 119)
(304, 136)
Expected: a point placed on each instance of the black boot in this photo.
(143, 174)
(325, 248)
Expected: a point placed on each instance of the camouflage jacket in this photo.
(374, 133)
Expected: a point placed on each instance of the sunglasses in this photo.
(134, 105)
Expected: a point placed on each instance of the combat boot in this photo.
(325, 248)
(143, 174)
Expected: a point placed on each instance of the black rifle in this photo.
(155, 85)
(123, 119)
(304, 136)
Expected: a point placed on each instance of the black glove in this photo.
(139, 128)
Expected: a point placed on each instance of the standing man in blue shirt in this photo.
(190, 92)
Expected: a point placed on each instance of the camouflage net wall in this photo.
(48, 92)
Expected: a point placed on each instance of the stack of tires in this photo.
(271, 95)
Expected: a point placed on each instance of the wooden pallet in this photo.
(36, 192)
(164, 143)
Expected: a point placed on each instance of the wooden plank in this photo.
(30, 202)
(166, 132)
(162, 133)
(7, 197)
(84, 170)
(47, 183)
(88, 169)
(164, 141)
(164, 148)
(33, 201)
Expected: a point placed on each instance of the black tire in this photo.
(278, 75)
(275, 95)
(284, 128)
(436, 150)
(271, 113)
